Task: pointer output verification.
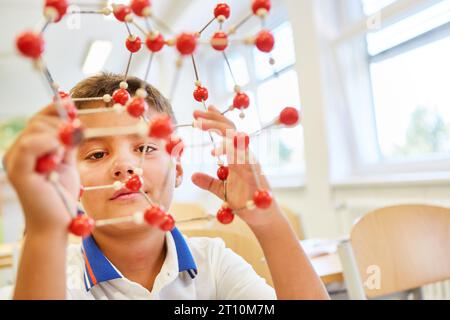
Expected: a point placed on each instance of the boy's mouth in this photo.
(125, 194)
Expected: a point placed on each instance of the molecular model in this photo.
(31, 44)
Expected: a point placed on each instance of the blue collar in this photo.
(99, 269)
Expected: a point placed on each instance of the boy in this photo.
(129, 260)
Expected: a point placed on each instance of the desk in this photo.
(6, 256)
(328, 267)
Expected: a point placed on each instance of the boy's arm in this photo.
(292, 273)
(41, 273)
(291, 270)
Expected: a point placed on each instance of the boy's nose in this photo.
(123, 171)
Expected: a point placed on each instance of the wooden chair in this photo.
(239, 229)
(396, 249)
(187, 211)
(184, 211)
(295, 221)
(247, 247)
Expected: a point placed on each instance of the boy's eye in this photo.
(96, 155)
(147, 148)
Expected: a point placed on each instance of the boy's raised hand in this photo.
(241, 182)
(41, 203)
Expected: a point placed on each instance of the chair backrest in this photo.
(247, 247)
(233, 233)
(295, 221)
(186, 210)
(402, 247)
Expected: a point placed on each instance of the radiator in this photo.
(437, 291)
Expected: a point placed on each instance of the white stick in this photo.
(140, 129)
(105, 222)
(87, 99)
(95, 110)
(137, 218)
(222, 42)
(116, 185)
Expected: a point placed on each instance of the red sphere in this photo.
(138, 6)
(137, 107)
(80, 194)
(121, 12)
(222, 173)
(30, 44)
(201, 94)
(265, 41)
(134, 183)
(161, 127)
(134, 45)
(154, 215)
(70, 108)
(241, 101)
(68, 105)
(62, 95)
(225, 215)
(71, 134)
(222, 9)
(121, 96)
(262, 199)
(241, 140)
(47, 163)
(168, 224)
(289, 116)
(219, 41)
(260, 4)
(175, 147)
(59, 5)
(155, 44)
(186, 43)
(82, 226)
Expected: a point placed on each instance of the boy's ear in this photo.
(179, 174)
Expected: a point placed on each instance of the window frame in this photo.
(279, 181)
(376, 165)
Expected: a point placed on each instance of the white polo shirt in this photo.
(194, 269)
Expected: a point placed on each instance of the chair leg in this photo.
(417, 294)
(352, 277)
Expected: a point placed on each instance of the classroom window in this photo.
(271, 87)
(409, 74)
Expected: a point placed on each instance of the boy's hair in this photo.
(107, 83)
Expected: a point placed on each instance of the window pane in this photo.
(372, 6)
(411, 99)
(283, 53)
(251, 121)
(409, 28)
(277, 93)
(240, 72)
(284, 147)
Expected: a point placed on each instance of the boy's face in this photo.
(103, 161)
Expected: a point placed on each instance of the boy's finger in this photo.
(40, 127)
(70, 156)
(50, 120)
(30, 149)
(208, 183)
(49, 110)
(221, 127)
(52, 110)
(213, 109)
(209, 115)
(235, 156)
